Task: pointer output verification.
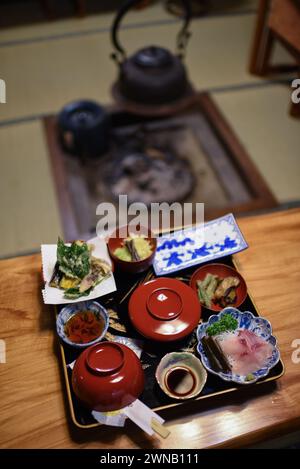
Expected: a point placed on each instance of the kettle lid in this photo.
(152, 57)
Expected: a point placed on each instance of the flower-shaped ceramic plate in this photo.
(246, 320)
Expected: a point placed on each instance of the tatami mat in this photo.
(233, 6)
(155, 12)
(41, 77)
(72, 25)
(67, 60)
(261, 120)
(28, 208)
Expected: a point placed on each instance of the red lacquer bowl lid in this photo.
(107, 376)
(222, 271)
(164, 309)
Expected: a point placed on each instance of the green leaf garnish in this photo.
(224, 324)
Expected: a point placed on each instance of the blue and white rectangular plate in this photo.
(186, 248)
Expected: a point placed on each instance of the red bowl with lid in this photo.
(116, 240)
(164, 309)
(107, 376)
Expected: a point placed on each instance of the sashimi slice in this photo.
(246, 351)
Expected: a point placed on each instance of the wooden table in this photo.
(34, 412)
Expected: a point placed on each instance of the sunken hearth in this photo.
(192, 156)
(145, 164)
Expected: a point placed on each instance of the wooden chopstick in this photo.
(159, 428)
(138, 282)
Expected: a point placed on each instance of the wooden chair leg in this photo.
(48, 9)
(295, 110)
(80, 8)
(262, 42)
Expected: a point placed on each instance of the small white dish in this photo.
(55, 296)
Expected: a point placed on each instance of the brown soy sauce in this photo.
(180, 381)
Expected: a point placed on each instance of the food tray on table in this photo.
(117, 306)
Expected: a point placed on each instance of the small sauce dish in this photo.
(181, 375)
(82, 324)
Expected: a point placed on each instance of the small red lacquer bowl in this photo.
(116, 241)
(107, 376)
(222, 271)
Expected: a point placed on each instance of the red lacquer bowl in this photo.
(164, 309)
(222, 271)
(116, 241)
(107, 376)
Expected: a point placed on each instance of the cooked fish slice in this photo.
(225, 285)
(101, 263)
(99, 270)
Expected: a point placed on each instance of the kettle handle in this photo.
(182, 37)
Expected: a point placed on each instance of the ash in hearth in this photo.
(148, 170)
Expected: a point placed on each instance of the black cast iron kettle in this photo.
(153, 75)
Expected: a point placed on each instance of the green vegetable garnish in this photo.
(123, 254)
(250, 377)
(74, 260)
(74, 293)
(206, 289)
(224, 324)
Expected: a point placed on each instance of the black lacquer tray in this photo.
(152, 396)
